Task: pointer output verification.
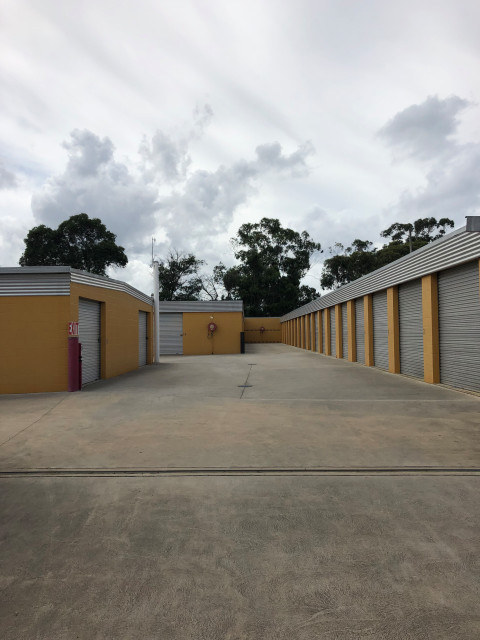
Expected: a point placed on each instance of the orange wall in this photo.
(34, 343)
(272, 331)
(225, 339)
(119, 319)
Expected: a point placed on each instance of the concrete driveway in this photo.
(321, 500)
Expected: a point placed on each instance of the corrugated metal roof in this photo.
(55, 281)
(30, 281)
(200, 306)
(91, 279)
(455, 248)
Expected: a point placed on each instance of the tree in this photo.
(360, 259)
(179, 277)
(79, 242)
(418, 234)
(352, 263)
(273, 260)
(212, 285)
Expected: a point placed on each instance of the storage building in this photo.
(418, 316)
(61, 328)
(201, 327)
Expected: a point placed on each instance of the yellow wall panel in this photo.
(272, 331)
(226, 338)
(34, 343)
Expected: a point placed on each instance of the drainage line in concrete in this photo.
(245, 385)
(246, 471)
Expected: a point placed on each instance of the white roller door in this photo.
(380, 330)
(360, 330)
(333, 342)
(411, 328)
(344, 331)
(171, 334)
(142, 338)
(89, 338)
(459, 323)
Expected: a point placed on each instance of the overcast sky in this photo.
(183, 119)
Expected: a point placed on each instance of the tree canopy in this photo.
(273, 260)
(179, 276)
(79, 242)
(360, 258)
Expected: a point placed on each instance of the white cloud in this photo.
(425, 131)
(7, 178)
(276, 73)
(138, 203)
(428, 131)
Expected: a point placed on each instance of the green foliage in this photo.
(179, 277)
(79, 242)
(354, 262)
(273, 260)
(360, 259)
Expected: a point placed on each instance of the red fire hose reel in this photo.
(262, 329)
(212, 327)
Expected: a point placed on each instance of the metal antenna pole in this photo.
(156, 310)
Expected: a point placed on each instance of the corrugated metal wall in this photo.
(360, 330)
(142, 338)
(344, 331)
(333, 341)
(411, 328)
(315, 331)
(171, 334)
(380, 330)
(459, 326)
(89, 338)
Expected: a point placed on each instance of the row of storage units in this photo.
(427, 327)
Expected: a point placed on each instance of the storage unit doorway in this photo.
(459, 326)
(411, 328)
(142, 338)
(380, 330)
(89, 333)
(171, 334)
(360, 330)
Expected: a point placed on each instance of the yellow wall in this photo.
(225, 339)
(272, 331)
(119, 327)
(34, 343)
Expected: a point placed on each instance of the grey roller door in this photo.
(89, 338)
(344, 332)
(142, 338)
(380, 330)
(411, 328)
(324, 348)
(360, 330)
(459, 324)
(333, 342)
(171, 334)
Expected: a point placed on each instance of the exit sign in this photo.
(73, 329)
